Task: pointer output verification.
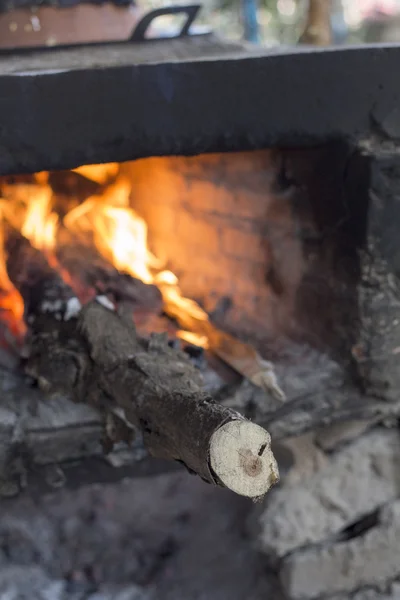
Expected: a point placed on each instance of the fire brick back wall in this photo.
(225, 233)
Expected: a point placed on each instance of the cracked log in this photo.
(95, 355)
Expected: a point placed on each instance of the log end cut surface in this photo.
(241, 457)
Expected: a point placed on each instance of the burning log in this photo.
(242, 357)
(108, 218)
(94, 273)
(94, 354)
(161, 394)
(41, 287)
(87, 242)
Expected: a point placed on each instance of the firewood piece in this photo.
(246, 361)
(97, 357)
(86, 266)
(41, 287)
(104, 364)
(243, 358)
(160, 393)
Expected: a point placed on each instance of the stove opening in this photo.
(262, 245)
(236, 276)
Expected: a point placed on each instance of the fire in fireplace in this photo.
(251, 256)
(72, 236)
(98, 243)
(213, 220)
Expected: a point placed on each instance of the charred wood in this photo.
(48, 442)
(90, 270)
(95, 355)
(41, 287)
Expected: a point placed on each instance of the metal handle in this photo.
(141, 28)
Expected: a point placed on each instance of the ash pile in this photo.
(329, 530)
(166, 537)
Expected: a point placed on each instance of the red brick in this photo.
(197, 233)
(214, 267)
(156, 180)
(237, 202)
(207, 196)
(206, 216)
(232, 221)
(251, 204)
(159, 217)
(244, 245)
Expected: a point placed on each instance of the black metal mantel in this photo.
(61, 108)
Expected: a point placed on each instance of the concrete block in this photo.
(358, 479)
(372, 559)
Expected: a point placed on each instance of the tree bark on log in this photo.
(95, 354)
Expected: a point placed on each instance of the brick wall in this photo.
(224, 232)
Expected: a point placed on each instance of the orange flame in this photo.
(120, 235)
(10, 300)
(108, 222)
(118, 232)
(27, 207)
(40, 223)
(195, 339)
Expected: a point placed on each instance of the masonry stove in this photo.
(266, 181)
